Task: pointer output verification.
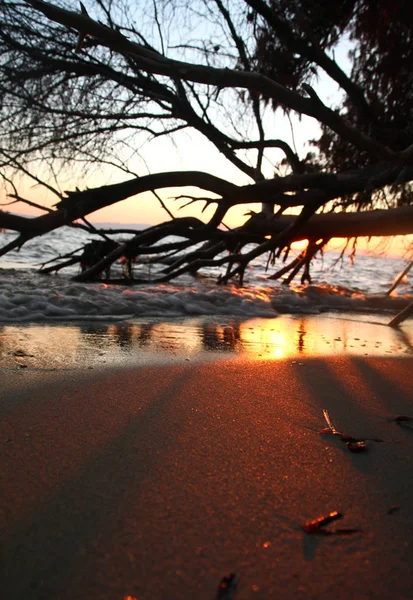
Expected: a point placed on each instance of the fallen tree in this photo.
(267, 232)
(61, 95)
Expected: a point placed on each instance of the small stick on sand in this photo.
(227, 587)
(353, 444)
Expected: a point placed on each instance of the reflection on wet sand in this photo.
(86, 345)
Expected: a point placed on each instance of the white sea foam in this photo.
(27, 296)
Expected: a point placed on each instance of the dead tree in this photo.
(64, 101)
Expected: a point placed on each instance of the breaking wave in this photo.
(27, 296)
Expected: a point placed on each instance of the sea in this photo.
(96, 323)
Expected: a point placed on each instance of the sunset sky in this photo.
(188, 151)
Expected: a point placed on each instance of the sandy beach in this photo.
(154, 482)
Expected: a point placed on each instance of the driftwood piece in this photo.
(402, 316)
(399, 278)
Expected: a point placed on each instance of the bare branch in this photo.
(155, 63)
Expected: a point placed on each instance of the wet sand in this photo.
(154, 482)
(99, 345)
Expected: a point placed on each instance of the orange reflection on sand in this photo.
(309, 335)
(157, 336)
(176, 336)
(267, 342)
(284, 337)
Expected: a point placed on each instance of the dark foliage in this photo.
(380, 34)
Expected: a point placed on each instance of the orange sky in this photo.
(145, 209)
(192, 152)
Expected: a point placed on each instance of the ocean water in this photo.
(338, 285)
(92, 324)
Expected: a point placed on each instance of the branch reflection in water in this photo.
(86, 345)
